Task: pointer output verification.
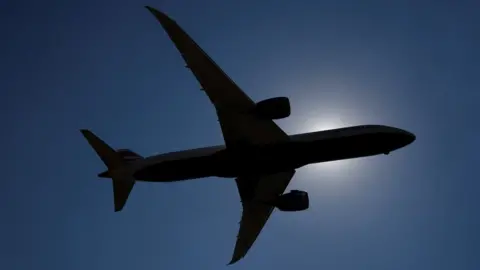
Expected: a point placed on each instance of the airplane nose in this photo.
(408, 137)
(404, 138)
(411, 137)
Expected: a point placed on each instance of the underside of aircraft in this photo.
(257, 153)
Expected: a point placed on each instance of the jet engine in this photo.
(273, 108)
(295, 200)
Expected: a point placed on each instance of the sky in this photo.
(108, 66)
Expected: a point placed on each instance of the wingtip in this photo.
(118, 207)
(234, 260)
(154, 11)
(85, 132)
(161, 16)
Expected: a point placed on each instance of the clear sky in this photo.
(109, 66)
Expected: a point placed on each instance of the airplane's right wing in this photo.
(255, 193)
(233, 106)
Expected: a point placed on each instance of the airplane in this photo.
(257, 153)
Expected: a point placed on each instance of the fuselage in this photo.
(300, 150)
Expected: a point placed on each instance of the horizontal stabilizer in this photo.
(117, 164)
(121, 190)
(109, 156)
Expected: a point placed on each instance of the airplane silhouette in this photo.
(257, 153)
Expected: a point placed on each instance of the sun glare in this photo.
(312, 125)
(336, 106)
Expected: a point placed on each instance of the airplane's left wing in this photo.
(232, 105)
(255, 193)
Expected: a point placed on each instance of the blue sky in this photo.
(108, 66)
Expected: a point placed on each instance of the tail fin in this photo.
(116, 163)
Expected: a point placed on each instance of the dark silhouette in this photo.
(257, 153)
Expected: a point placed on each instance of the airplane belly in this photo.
(264, 159)
(253, 161)
(225, 164)
(177, 170)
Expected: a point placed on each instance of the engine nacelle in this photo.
(273, 108)
(295, 200)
